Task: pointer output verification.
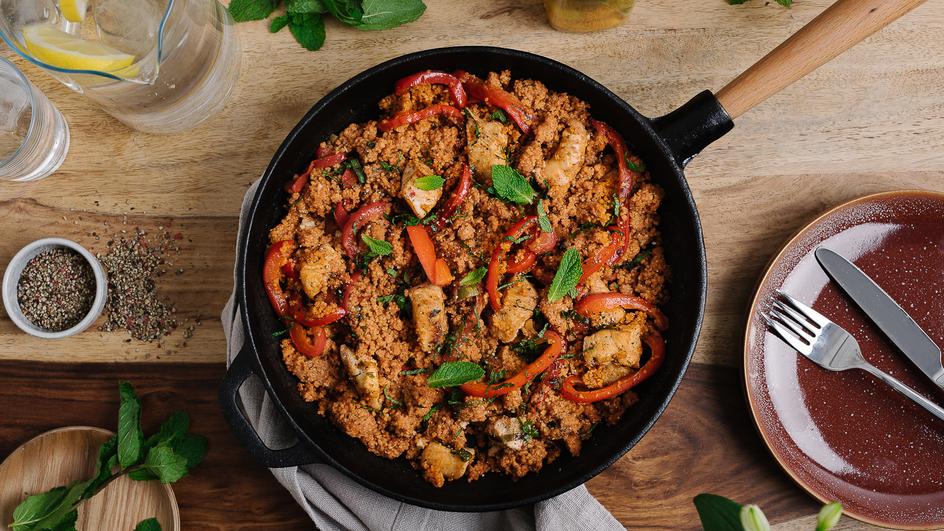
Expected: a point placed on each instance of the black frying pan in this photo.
(666, 144)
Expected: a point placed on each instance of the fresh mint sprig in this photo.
(718, 513)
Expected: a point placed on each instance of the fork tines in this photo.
(794, 322)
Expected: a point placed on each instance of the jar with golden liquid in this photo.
(587, 15)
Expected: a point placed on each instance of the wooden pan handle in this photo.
(834, 31)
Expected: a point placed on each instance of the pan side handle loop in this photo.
(693, 126)
(239, 371)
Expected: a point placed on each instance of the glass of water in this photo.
(34, 137)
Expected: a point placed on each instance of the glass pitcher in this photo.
(159, 66)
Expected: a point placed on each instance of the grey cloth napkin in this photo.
(336, 502)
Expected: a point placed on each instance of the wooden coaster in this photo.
(64, 455)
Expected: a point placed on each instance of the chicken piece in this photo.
(614, 352)
(567, 159)
(606, 317)
(420, 201)
(429, 315)
(507, 430)
(362, 369)
(319, 269)
(487, 142)
(441, 464)
(518, 305)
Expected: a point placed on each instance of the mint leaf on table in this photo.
(474, 277)
(511, 185)
(151, 524)
(453, 373)
(245, 10)
(718, 513)
(305, 6)
(429, 183)
(175, 427)
(278, 23)
(130, 438)
(346, 11)
(386, 14)
(193, 448)
(67, 523)
(308, 29)
(165, 464)
(35, 508)
(568, 275)
(107, 459)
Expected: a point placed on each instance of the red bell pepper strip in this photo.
(437, 270)
(524, 264)
(489, 390)
(346, 294)
(599, 302)
(626, 177)
(301, 316)
(432, 77)
(341, 215)
(322, 151)
(443, 274)
(277, 256)
(298, 184)
(305, 344)
(357, 220)
(348, 178)
(542, 242)
(494, 275)
(328, 160)
(459, 194)
(413, 117)
(323, 161)
(656, 345)
(604, 256)
(498, 97)
(288, 268)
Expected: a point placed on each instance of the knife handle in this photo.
(918, 398)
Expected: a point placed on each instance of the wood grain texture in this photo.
(65, 455)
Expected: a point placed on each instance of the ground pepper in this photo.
(56, 289)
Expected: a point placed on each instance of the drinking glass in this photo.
(182, 55)
(34, 137)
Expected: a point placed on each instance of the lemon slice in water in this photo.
(73, 10)
(61, 49)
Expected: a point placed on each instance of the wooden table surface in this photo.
(870, 121)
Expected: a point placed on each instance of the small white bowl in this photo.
(11, 277)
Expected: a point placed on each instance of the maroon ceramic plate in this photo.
(846, 436)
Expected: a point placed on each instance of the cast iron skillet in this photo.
(666, 144)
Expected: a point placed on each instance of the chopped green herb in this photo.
(387, 166)
(567, 276)
(529, 349)
(528, 430)
(474, 277)
(429, 414)
(453, 373)
(376, 247)
(499, 116)
(396, 403)
(475, 123)
(463, 454)
(517, 240)
(640, 256)
(370, 144)
(355, 165)
(392, 272)
(511, 185)
(496, 376)
(616, 208)
(397, 298)
(430, 182)
(280, 333)
(456, 398)
(639, 167)
(574, 316)
(413, 372)
(543, 220)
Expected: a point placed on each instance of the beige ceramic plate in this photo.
(65, 455)
(843, 435)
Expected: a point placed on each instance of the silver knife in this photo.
(886, 313)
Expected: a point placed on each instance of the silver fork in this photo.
(829, 345)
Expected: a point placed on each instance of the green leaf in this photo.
(785, 3)
(278, 23)
(129, 426)
(347, 11)
(828, 516)
(305, 6)
(567, 276)
(142, 475)
(246, 10)
(718, 513)
(376, 247)
(355, 165)
(474, 277)
(151, 524)
(430, 182)
(753, 519)
(528, 430)
(193, 448)
(107, 455)
(35, 508)
(453, 373)
(175, 427)
(68, 522)
(165, 464)
(511, 185)
(61, 516)
(543, 220)
(499, 115)
(308, 29)
(386, 14)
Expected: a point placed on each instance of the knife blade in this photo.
(885, 313)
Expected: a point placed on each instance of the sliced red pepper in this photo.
(341, 215)
(443, 274)
(656, 346)
(542, 242)
(599, 302)
(303, 317)
(298, 184)
(486, 390)
(459, 194)
(498, 97)
(522, 265)
(277, 256)
(348, 178)
(346, 294)
(357, 220)
(626, 177)
(436, 269)
(604, 256)
(494, 275)
(288, 268)
(328, 160)
(322, 151)
(432, 77)
(311, 347)
(413, 117)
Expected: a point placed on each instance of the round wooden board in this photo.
(64, 455)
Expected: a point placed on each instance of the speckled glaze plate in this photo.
(846, 436)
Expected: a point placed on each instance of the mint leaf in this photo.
(151, 524)
(37, 507)
(718, 513)
(543, 220)
(107, 455)
(305, 6)
(67, 523)
(308, 29)
(453, 373)
(377, 247)
(175, 427)
(474, 277)
(430, 182)
(278, 23)
(511, 185)
(193, 448)
(499, 116)
(246, 10)
(60, 517)
(129, 426)
(567, 276)
(785, 3)
(347, 11)
(165, 464)
(386, 14)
